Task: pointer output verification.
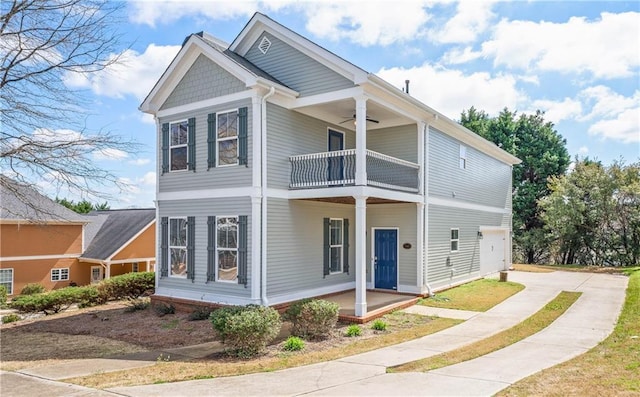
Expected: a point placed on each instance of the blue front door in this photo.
(386, 258)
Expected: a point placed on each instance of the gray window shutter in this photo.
(191, 144)
(242, 250)
(211, 248)
(164, 247)
(191, 249)
(211, 140)
(325, 249)
(165, 147)
(242, 137)
(345, 246)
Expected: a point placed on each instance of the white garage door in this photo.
(492, 251)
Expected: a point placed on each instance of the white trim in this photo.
(462, 161)
(373, 250)
(7, 221)
(196, 106)
(451, 240)
(101, 274)
(208, 193)
(59, 271)
(256, 223)
(466, 205)
(199, 296)
(131, 240)
(185, 145)
(336, 245)
(307, 293)
(12, 279)
(332, 96)
(38, 257)
(116, 262)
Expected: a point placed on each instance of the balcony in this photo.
(338, 168)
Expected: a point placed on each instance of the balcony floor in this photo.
(352, 201)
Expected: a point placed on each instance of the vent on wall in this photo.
(264, 45)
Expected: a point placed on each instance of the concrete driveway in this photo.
(590, 320)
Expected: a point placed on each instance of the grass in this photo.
(174, 371)
(570, 268)
(533, 324)
(480, 295)
(610, 369)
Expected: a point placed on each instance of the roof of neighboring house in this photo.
(21, 202)
(110, 230)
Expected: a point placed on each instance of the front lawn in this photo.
(479, 296)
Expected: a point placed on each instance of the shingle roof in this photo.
(110, 230)
(21, 202)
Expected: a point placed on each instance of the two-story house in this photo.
(285, 172)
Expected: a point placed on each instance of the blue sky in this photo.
(577, 61)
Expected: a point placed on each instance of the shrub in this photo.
(88, 296)
(3, 296)
(57, 300)
(379, 325)
(312, 318)
(10, 318)
(201, 313)
(353, 330)
(32, 289)
(246, 329)
(137, 304)
(128, 286)
(293, 343)
(162, 309)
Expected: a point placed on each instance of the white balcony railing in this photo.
(338, 168)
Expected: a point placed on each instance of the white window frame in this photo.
(236, 138)
(58, 274)
(169, 247)
(454, 240)
(185, 145)
(341, 246)
(10, 289)
(218, 248)
(463, 157)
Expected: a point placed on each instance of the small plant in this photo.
(137, 304)
(353, 330)
(10, 318)
(379, 325)
(3, 296)
(312, 318)
(162, 358)
(293, 343)
(162, 309)
(201, 313)
(32, 289)
(173, 324)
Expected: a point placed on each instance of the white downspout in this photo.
(263, 194)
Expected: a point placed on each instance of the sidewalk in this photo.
(583, 326)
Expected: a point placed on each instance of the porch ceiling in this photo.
(351, 200)
(339, 111)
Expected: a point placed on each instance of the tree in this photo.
(44, 136)
(543, 153)
(82, 206)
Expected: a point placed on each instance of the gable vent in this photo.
(264, 45)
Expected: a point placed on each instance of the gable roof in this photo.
(110, 230)
(20, 202)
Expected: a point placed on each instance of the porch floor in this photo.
(378, 304)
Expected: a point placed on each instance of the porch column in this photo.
(108, 270)
(361, 255)
(361, 141)
(420, 245)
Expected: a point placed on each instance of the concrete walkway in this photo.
(583, 326)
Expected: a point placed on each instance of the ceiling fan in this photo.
(354, 117)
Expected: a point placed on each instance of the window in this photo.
(335, 245)
(6, 280)
(463, 157)
(227, 137)
(455, 240)
(179, 136)
(135, 267)
(60, 274)
(178, 247)
(227, 248)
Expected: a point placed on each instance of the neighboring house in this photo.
(286, 172)
(46, 243)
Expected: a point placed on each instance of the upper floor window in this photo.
(463, 157)
(455, 240)
(227, 137)
(178, 247)
(179, 135)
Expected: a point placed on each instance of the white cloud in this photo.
(624, 127)
(147, 118)
(451, 91)
(139, 161)
(135, 75)
(457, 56)
(605, 102)
(167, 12)
(606, 47)
(149, 179)
(583, 150)
(614, 116)
(109, 154)
(472, 18)
(374, 23)
(556, 111)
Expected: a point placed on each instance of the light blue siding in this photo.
(295, 69)
(485, 180)
(214, 178)
(201, 209)
(399, 142)
(204, 80)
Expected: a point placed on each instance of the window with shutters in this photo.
(179, 138)
(178, 247)
(227, 137)
(60, 274)
(227, 248)
(336, 245)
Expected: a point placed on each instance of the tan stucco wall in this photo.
(39, 271)
(144, 246)
(30, 240)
